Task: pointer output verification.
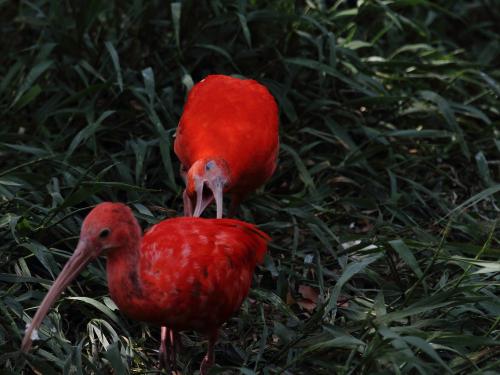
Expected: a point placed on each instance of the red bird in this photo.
(227, 139)
(185, 273)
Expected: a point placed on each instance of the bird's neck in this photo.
(123, 269)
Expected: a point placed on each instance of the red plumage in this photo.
(233, 122)
(185, 273)
(193, 273)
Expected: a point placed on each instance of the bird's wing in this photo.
(256, 239)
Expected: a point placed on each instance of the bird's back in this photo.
(234, 119)
(199, 270)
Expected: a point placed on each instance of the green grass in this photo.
(385, 200)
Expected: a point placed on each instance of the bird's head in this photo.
(109, 226)
(213, 174)
(106, 229)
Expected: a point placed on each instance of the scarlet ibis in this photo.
(227, 139)
(184, 273)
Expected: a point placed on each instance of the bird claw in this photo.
(209, 359)
(163, 357)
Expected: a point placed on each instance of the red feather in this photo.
(230, 119)
(193, 273)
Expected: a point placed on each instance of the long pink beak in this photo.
(216, 185)
(78, 260)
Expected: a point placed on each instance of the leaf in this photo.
(9, 183)
(475, 199)
(406, 254)
(113, 356)
(219, 50)
(44, 256)
(349, 271)
(483, 265)
(484, 171)
(449, 116)
(9, 76)
(245, 29)
(32, 76)
(357, 44)
(318, 66)
(165, 146)
(427, 349)
(176, 8)
(491, 82)
(28, 97)
(430, 133)
(273, 299)
(116, 63)
(424, 305)
(8, 278)
(118, 185)
(86, 133)
(303, 172)
(99, 306)
(310, 298)
(344, 342)
(149, 84)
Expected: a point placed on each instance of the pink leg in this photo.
(209, 359)
(188, 205)
(173, 345)
(168, 350)
(164, 351)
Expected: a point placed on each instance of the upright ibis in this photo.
(227, 141)
(184, 273)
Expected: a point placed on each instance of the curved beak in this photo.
(188, 205)
(78, 260)
(216, 185)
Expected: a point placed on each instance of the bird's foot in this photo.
(167, 353)
(164, 357)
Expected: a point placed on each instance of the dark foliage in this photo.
(383, 209)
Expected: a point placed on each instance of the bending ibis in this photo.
(227, 141)
(184, 273)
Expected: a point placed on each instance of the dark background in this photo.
(382, 211)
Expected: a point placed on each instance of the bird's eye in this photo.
(104, 233)
(209, 165)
